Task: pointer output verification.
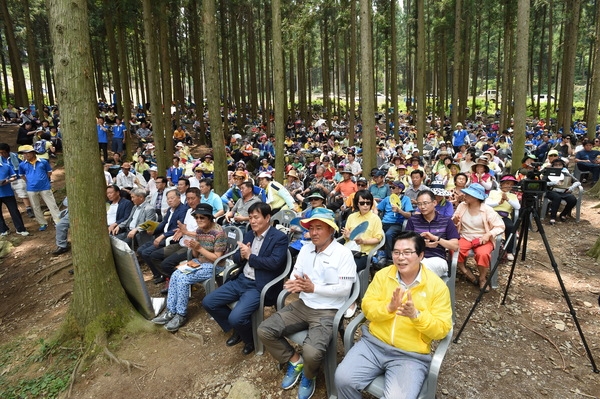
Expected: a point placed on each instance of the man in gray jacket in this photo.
(142, 211)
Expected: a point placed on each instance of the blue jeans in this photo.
(243, 290)
(391, 231)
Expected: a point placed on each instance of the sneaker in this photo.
(30, 213)
(292, 375)
(5, 233)
(307, 387)
(24, 233)
(176, 323)
(163, 318)
(510, 257)
(43, 227)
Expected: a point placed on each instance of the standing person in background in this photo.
(118, 139)
(7, 195)
(102, 129)
(19, 186)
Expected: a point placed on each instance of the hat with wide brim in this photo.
(324, 215)
(203, 210)
(481, 161)
(475, 190)
(292, 173)
(315, 195)
(266, 175)
(26, 148)
(439, 189)
(509, 178)
(348, 169)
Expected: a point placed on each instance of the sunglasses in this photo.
(363, 203)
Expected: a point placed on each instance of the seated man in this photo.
(263, 256)
(395, 210)
(439, 233)
(142, 211)
(119, 208)
(323, 277)
(238, 215)
(166, 229)
(209, 197)
(408, 306)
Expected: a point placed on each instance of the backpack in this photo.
(40, 146)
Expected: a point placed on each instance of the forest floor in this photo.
(528, 348)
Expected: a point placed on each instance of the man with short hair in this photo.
(263, 256)
(323, 277)
(416, 177)
(182, 186)
(119, 208)
(589, 160)
(408, 306)
(158, 199)
(238, 215)
(380, 190)
(37, 173)
(395, 209)
(353, 164)
(7, 195)
(175, 172)
(166, 229)
(141, 212)
(127, 180)
(209, 197)
(439, 232)
(18, 185)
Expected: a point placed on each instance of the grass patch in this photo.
(30, 369)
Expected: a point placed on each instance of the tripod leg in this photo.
(538, 221)
(524, 220)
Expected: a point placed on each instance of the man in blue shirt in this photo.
(209, 197)
(174, 172)
(118, 139)
(459, 137)
(102, 129)
(7, 196)
(37, 172)
(394, 214)
(587, 160)
(380, 190)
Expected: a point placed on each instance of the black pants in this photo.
(555, 200)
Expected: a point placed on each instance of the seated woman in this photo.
(294, 186)
(478, 225)
(561, 189)
(444, 207)
(210, 244)
(480, 173)
(460, 182)
(363, 201)
(504, 203)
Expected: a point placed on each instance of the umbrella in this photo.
(320, 122)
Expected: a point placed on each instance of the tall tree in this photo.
(592, 117)
(420, 75)
(520, 72)
(211, 66)
(125, 108)
(456, 60)
(154, 86)
(16, 66)
(99, 305)
(367, 85)
(35, 73)
(278, 92)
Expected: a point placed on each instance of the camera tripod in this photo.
(529, 211)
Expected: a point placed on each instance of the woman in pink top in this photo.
(478, 225)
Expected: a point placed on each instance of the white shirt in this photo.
(190, 224)
(336, 262)
(111, 214)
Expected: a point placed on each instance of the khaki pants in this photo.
(48, 197)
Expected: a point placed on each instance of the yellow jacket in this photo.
(431, 298)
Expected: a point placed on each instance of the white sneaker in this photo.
(510, 257)
(4, 234)
(23, 233)
(350, 311)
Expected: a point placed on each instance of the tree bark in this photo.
(33, 60)
(125, 85)
(592, 117)
(100, 305)
(456, 61)
(213, 96)
(420, 75)
(163, 109)
(573, 12)
(278, 89)
(16, 66)
(154, 87)
(367, 86)
(109, 14)
(520, 72)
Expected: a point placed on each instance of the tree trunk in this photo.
(16, 66)
(549, 62)
(154, 87)
(592, 117)
(520, 72)
(420, 75)
(278, 89)
(100, 305)
(394, 67)
(33, 60)
(124, 78)
(367, 86)
(573, 11)
(456, 62)
(163, 109)
(353, 68)
(212, 93)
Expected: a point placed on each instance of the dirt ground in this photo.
(528, 348)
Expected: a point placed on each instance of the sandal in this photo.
(469, 277)
(563, 218)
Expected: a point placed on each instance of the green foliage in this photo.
(41, 373)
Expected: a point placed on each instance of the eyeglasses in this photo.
(363, 203)
(422, 204)
(403, 253)
(198, 217)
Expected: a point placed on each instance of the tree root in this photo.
(76, 369)
(47, 276)
(60, 298)
(549, 340)
(129, 365)
(193, 335)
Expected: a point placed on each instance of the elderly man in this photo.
(323, 277)
(37, 173)
(263, 256)
(408, 306)
(119, 208)
(158, 199)
(238, 215)
(416, 178)
(166, 229)
(439, 232)
(127, 180)
(142, 211)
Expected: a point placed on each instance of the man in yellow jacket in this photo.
(408, 306)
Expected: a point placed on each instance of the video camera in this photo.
(536, 182)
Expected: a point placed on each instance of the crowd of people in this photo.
(455, 196)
